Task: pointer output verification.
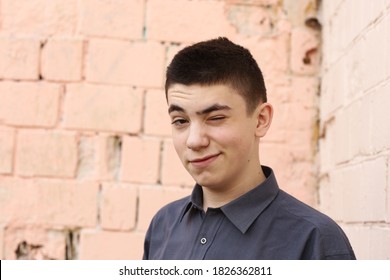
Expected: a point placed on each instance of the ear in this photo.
(264, 113)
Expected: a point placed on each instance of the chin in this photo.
(207, 182)
(206, 178)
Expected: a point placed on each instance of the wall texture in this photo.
(85, 152)
(355, 122)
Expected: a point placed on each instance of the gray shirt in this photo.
(264, 223)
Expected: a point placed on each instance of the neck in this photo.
(217, 197)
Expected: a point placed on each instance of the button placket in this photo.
(210, 225)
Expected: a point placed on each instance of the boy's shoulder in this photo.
(300, 211)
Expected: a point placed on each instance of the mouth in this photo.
(204, 161)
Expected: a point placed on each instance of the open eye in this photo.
(178, 122)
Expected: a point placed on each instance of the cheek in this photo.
(228, 140)
(179, 142)
(233, 135)
(237, 141)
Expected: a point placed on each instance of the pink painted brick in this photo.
(277, 131)
(302, 180)
(99, 157)
(157, 121)
(39, 17)
(305, 52)
(62, 59)
(173, 171)
(140, 160)
(7, 139)
(49, 244)
(253, 2)
(300, 117)
(251, 20)
(87, 158)
(270, 53)
(122, 19)
(2, 256)
(108, 156)
(279, 158)
(187, 21)
(19, 58)
(278, 85)
(294, 115)
(29, 104)
(119, 203)
(305, 90)
(294, 111)
(44, 153)
(106, 245)
(48, 202)
(103, 108)
(298, 11)
(120, 62)
(302, 144)
(153, 198)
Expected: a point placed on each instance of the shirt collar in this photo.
(194, 201)
(244, 210)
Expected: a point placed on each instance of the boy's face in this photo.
(213, 135)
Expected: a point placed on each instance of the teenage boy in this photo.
(218, 106)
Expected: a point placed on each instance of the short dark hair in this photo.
(219, 61)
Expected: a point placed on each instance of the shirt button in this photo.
(203, 241)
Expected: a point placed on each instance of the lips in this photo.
(204, 161)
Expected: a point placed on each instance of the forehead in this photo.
(199, 96)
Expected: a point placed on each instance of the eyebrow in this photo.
(212, 108)
(175, 108)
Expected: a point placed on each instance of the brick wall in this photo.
(85, 152)
(355, 122)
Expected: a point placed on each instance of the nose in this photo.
(197, 137)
